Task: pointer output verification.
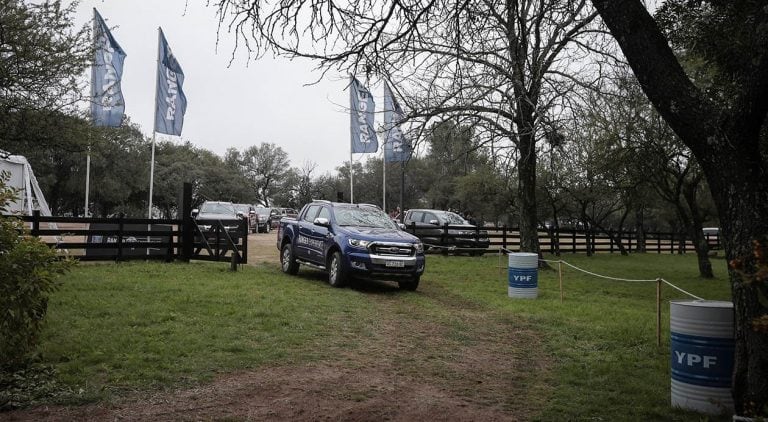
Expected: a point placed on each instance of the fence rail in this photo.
(121, 239)
(558, 241)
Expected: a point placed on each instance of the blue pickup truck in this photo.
(349, 240)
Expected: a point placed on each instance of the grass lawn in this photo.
(113, 329)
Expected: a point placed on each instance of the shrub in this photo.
(28, 275)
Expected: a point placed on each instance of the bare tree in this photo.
(506, 67)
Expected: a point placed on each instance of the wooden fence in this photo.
(579, 241)
(121, 239)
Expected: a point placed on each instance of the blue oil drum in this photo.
(523, 275)
(702, 348)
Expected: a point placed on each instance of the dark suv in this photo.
(446, 231)
(211, 213)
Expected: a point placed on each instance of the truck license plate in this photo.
(396, 264)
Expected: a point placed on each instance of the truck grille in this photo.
(391, 249)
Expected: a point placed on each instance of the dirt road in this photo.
(408, 371)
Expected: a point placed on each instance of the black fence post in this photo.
(244, 230)
(504, 237)
(672, 243)
(658, 243)
(610, 239)
(120, 227)
(445, 234)
(573, 237)
(187, 233)
(35, 223)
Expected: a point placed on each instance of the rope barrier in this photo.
(681, 290)
(616, 278)
(658, 281)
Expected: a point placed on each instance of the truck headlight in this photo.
(419, 247)
(360, 244)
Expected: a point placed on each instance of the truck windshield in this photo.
(453, 218)
(217, 208)
(363, 217)
(243, 208)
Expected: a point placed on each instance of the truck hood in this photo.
(211, 216)
(383, 235)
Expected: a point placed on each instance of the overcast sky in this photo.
(228, 105)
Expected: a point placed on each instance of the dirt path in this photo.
(408, 369)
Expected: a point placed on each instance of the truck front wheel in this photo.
(336, 276)
(287, 261)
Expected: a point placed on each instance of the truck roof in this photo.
(342, 204)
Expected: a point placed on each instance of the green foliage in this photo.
(30, 385)
(29, 270)
(44, 56)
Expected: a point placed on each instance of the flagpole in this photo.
(88, 153)
(154, 126)
(402, 189)
(87, 178)
(351, 183)
(384, 176)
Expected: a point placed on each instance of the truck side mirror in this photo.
(322, 221)
(434, 222)
(195, 212)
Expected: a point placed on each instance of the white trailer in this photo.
(22, 178)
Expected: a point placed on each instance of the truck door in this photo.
(303, 247)
(319, 237)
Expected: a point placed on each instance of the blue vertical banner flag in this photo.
(170, 101)
(396, 148)
(361, 119)
(107, 102)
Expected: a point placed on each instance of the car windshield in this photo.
(363, 217)
(263, 211)
(453, 218)
(217, 208)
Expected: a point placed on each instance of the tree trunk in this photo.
(726, 144)
(640, 229)
(741, 195)
(695, 230)
(526, 172)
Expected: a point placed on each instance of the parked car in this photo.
(264, 216)
(347, 240)
(211, 212)
(279, 213)
(446, 231)
(249, 211)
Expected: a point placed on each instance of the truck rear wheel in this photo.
(287, 261)
(336, 275)
(411, 284)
